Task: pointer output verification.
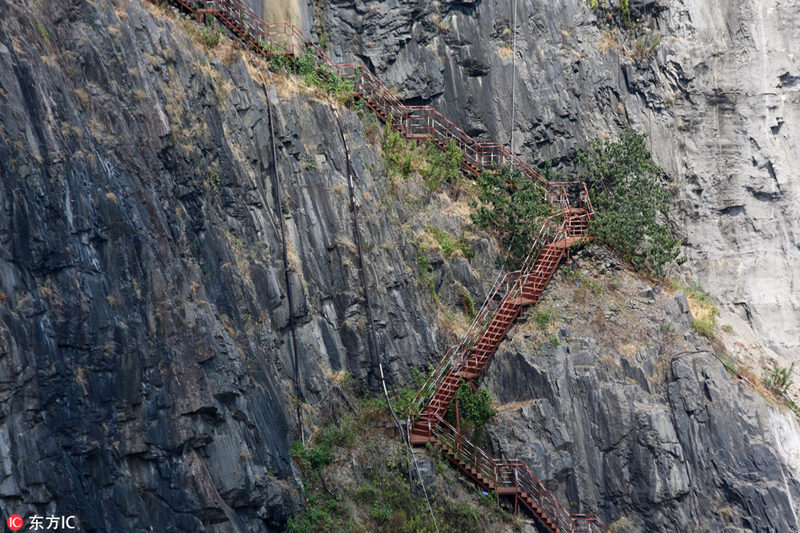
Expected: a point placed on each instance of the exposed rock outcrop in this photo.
(145, 362)
(632, 415)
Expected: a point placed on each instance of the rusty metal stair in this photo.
(511, 478)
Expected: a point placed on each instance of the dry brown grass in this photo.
(511, 406)
(701, 310)
(80, 379)
(629, 349)
(505, 51)
(609, 41)
(83, 96)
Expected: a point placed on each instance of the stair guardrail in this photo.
(499, 474)
(506, 286)
(271, 38)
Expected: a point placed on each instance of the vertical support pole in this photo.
(458, 431)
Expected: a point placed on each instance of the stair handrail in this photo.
(537, 244)
(437, 376)
(481, 322)
(242, 20)
(456, 356)
(432, 384)
(464, 449)
(513, 473)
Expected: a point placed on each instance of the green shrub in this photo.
(704, 312)
(380, 512)
(468, 304)
(210, 36)
(644, 45)
(449, 244)
(320, 514)
(320, 454)
(706, 326)
(474, 407)
(398, 153)
(312, 458)
(543, 316)
(312, 73)
(512, 205)
(443, 166)
(426, 278)
(402, 398)
(43, 33)
(405, 157)
(367, 493)
(625, 12)
(629, 200)
(778, 379)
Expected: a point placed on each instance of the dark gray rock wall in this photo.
(145, 369)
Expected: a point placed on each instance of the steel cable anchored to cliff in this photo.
(373, 344)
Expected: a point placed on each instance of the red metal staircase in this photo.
(514, 291)
(511, 292)
(511, 478)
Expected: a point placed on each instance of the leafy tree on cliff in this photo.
(630, 201)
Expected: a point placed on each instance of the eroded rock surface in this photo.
(146, 374)
(145, 368)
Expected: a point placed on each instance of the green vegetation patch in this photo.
(704, 311)
(514, 206)
(426, 279)
(543, 316)
(406, 157)
(630, 201)
(474, 410)
(357, 479)
(778, 380)
(450, 245)
(444, 166)
(312, 72)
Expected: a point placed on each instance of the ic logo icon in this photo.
(14, 522)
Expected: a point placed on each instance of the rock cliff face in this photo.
(631, 414)
(146, 374)
(145, 361)
(718, 94)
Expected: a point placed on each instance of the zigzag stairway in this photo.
(511, 293)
